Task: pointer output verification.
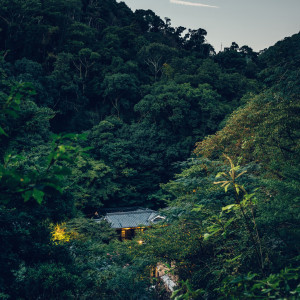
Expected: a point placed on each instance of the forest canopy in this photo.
(102, 107)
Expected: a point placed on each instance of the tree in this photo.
(121, 91)
(195, 40)
(155, 56)
(148, 20)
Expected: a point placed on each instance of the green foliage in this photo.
(48, 280)
(276, 286)
(187, 291)
(85, 230)
(91, 183)
(240, 236)
(11, 105)
(144, 93)
(281, 66)
(155, 55)
(35, 181)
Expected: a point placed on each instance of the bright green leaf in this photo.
(38, 195)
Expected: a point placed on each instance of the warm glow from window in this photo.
(123, 234)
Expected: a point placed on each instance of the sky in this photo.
(256, 23)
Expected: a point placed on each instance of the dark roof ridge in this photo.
(121, 209)
(140, 211)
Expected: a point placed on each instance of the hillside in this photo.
(102, 107)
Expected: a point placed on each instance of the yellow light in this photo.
(59, 234)
(140, 242)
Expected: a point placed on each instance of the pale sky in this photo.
(256, 23)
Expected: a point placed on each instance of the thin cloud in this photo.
(192, 3)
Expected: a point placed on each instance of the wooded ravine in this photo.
(102, 108)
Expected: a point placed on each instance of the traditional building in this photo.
(128, 221)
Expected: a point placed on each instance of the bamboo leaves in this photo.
(231, 177)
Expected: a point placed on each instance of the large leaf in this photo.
(38, 195)
(2, 132)
(229, 207)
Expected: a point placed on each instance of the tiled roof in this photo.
(135, 218)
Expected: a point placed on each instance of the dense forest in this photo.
(102, 107)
